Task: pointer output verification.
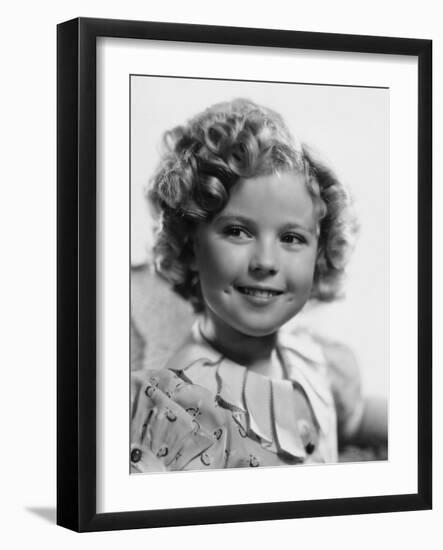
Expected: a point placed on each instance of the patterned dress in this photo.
(205, 411)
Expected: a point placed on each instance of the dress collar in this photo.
(285, 415)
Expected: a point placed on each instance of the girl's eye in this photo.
(237, 232)
(292, 238)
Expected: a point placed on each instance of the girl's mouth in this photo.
(258, 292)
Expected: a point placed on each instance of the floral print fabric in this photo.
(213, 413)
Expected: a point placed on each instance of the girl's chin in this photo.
(256, 324)
(254, 331)
(261, 325)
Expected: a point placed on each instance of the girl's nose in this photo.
(264, 260)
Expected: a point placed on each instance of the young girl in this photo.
(251, 228)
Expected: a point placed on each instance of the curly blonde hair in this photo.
(204, 158)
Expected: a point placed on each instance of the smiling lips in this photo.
(259, 293)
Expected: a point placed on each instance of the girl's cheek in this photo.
(301, 271)
(221, 251)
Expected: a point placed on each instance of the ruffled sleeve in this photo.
(173, 422)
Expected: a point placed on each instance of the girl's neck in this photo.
(254, 352)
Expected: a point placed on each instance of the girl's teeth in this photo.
(256, 292)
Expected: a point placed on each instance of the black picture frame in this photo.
(76, 273)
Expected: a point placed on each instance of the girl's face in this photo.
(256, 258)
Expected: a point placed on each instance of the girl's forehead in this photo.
(279, 196)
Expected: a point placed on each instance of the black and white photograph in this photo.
(243, 275)
(221, 268)
(259, 295)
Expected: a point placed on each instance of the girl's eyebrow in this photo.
(230, 218)
(312, 229)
